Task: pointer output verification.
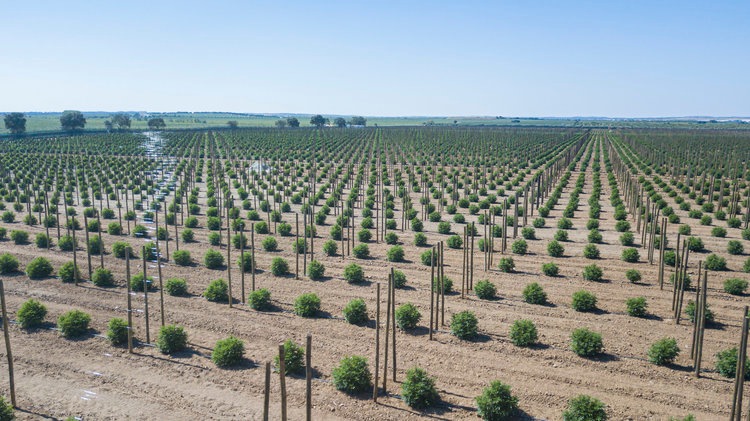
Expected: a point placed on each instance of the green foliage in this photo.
(534, 294)
(39, 268)
(627, 239)
(695, 244)
(561, 235)
(176, 287)
(31, 314)
(595, 236)
(664, 351)
(355, 311)
(42, 240)
(735, 247)
(550, 269)
(182, 258)
(523, 333)
(66, 243)
(716, 262)
(585, 408)
(74, 323)
(506, 264)
(583, 301)
(102, 277)
(187, 235)
(633, 275)
(735, 286)
(726, 363)
(213, 259)
(217, 291)
(391, 238)
(720, 232)
(420, 240)
(590, 251)
(593, 273)
(637, 306)
(119, 248)
(564, 224)
(330, 248)
(496, 403)
(19, 237)
(315, 269)
(172, 339)
(407, 316)
(395, 254)
(418, 389)
(528, 233)
(485, 290)
(447, 284)
(361, 251)
(228, 352)
(622, 226)
(519, 247)
(555, 249)
(630, 255)
(586, 343)
(279, 266)
(352, 375)
(260, 299)
(117, 331)
(246, 262)
(354, 273)
(307, 305)
(455, 242)
(68, 272)
(294, 358)
(464, 325)
(444, 227)
(538, 223)
(364, 235)
(270, 244)
(399, 279)
(7, 413)
(8, 263)
(427, 258)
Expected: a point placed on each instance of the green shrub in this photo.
(270, 244)
(534, 294)
(7, 413)
(39, 268)
(506, 264)
(684, 229)
(407, 316)
(31, 314)
(260, 299)
(42, 240)
(74, 323)
(182, 258)
(716, 262)
(735, 286)
(664, 351)
(19, 237)
(528, 233)
(355, 311)
(519, 247)
(427, 258)
(627, 239)
(726, 363)
(399, 279)
(228, 352)
(261, 227)
(307, 305)
(364, 235)
(447, 284)
(187, 235)
(586, 343)
(444, 227)
(66, 243)
(690, 311)
(395, 254)
(720, 232)
(213, 259)
(279, 266)
(172, 339)
(354, 273)
(464, 325)
(539, 223)
(735, 247)
(284, 229)
(420, 240)
(418, 389)
(583, 301)
(117, 331)
(102, 277)
(622, 226)
(590, 251)
(630, 255)
(555, 249)
(330, 248)
(391, 238)
(592, 224)
(361, 251)
(523, 333)
(316, 270)
(695, 244)
(68, 272)
(217, 291)
(176, 287)
(8, 263)
(593, 273)
(564, 223)
(637, 306)
(246, 262)
(119, 248)
(352, 375)
(561, 235)
(585, 408)
(455, 242)
(294, 355)
(633, 275)
(485, 290)
(214, 238)
(496, 403)
(416, 225)
(550, 269)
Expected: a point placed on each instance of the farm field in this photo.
(372, 195)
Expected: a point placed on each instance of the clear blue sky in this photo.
(515, 58)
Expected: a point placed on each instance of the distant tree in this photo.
(232, 124)
(15, 123)
(121, 120)
(358, 121)
(72, 120)
(108, 125)
(280, 123)
(318, 121)
(339, 122)
(156, 123)
(292, 121)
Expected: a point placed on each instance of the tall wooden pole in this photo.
(308, 378)
(8, 352)
(282, 380)
(377, 343)
(128, 251)
(145, 295)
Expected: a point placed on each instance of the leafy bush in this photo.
(519, 246)
(561, 235)
(19, 237)
(294, 355)
(716, 262)
(395, 254)
(664, 351)
(627, 239)
(172, 338)
(418, 389)
(564, 223)
(485, 290)
(555, 249)
(550, 269)
(534, 294)
(119, 248)
(595, 236)
(102, 277)
(187, 235)
(695, 244)
(590, 251)
(228, 352)
(420, 240)
(447, 284)
(217, 291)
(279, 266)
(270, 244)
(726, 363)
(176, 287)
(455, 242)
(307, 305)
(630, 255)
(583, 301)
(8, 263)
(735, 247)
(355, 311)
(633, 275)
(214, 238)
(260, 299)
(735, 286)
(31, 314)
(399, 279)
(68, 272)
(391, 238)
(407, 316)
(496, 402)
(74, 323)
(330, 248)
(213, 259)
(720, 232)
(690, 311)
(593, 273)
(586, 343)
(444, 227)
(528, 233)
(622, 226)
(354, 273)
(364, 235)
(182, 258)
(539, 223)
(42, 240)
(39, 268)
(523, 333)
(66, 243)
(352, 375)
(117, 331)
(7, 413)
(636, 306)
(246, 262)
(315, 270)
(506, 264)
(585, 408)
(464, 325)
(361, 251)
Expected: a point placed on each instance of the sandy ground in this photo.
(88, 378)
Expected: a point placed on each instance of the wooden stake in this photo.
(393, 320)
(8, 353)
(387, 336)
(282, 380)
(128, 251)
(377, 344)
(229, 259)
(308, 377)
(145, 295)
(739, 377)
(252, 255)
(432, 290)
